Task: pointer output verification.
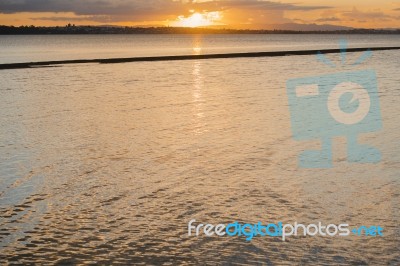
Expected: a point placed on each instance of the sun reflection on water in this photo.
(197, 96)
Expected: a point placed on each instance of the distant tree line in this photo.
(73, 29)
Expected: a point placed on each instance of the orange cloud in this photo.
(233, 13)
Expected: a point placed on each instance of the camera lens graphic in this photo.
(359, 94)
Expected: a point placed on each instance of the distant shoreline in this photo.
(89, 30)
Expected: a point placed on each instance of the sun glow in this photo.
(199, 20)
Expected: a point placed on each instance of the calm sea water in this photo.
(108, 163)
(49, 47)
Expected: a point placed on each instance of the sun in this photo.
(195, 20)
(198, 20)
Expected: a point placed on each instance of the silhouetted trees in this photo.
(73, 29)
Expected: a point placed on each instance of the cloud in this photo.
(257, 5)
(361, 16)
(99, 18)
(330, 19)
(257, 13)
(124, 8)
(139, 10)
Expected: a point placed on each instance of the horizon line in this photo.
(113, 29)
(212, 27)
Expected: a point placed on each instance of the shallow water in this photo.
(108, 163)
(28, 48)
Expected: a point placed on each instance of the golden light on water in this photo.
(197, 19)
(197, 45)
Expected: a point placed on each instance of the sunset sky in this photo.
(217, 13)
